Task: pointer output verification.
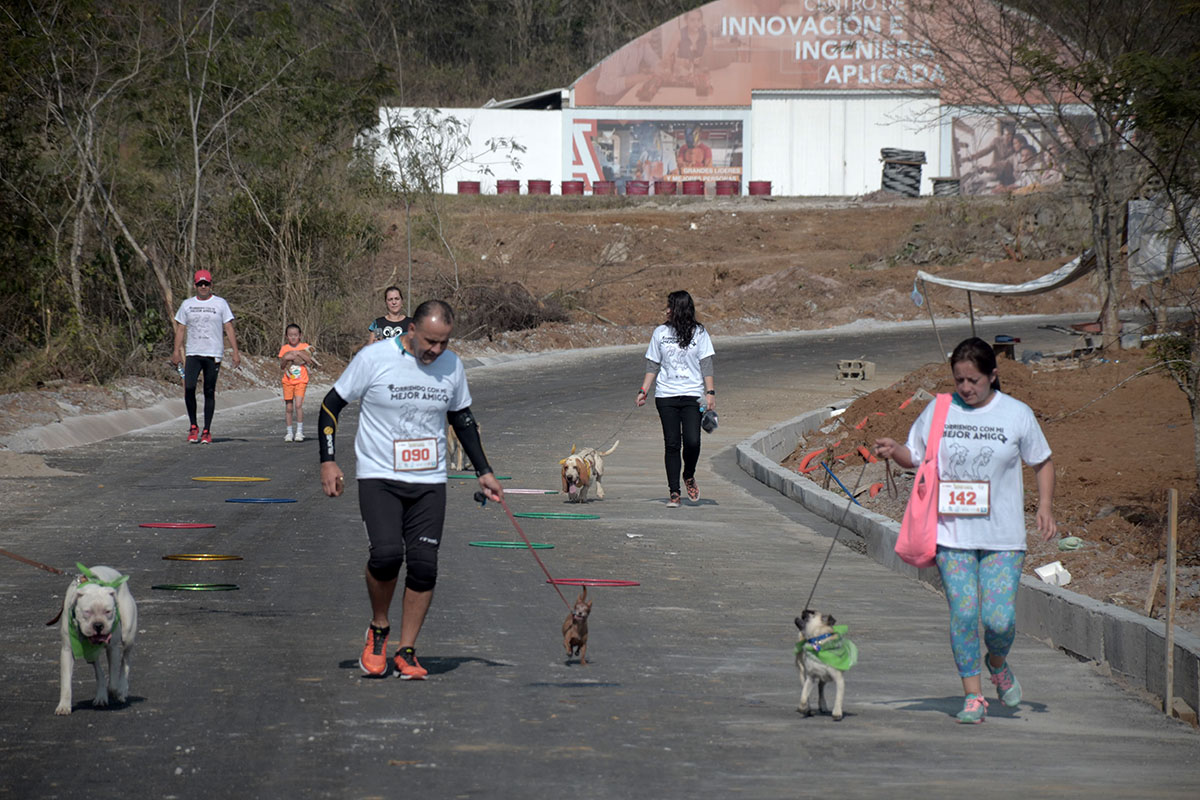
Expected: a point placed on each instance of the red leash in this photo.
(37, 564)
(481, 499)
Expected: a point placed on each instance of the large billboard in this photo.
(716, 54)
(655, 146)
(1013, 154)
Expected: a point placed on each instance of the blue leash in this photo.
(839, 483)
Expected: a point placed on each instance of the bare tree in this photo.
(89, 71)
(1047, 71)
(425, 145)
(214, 101)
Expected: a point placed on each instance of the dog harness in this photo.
(81, 646)
(832, 649)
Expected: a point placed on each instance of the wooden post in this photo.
(929, 308)
(1155, 580)
(971, 312)
(1172, 531)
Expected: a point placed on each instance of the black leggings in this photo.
(192, 367)
(681, 424)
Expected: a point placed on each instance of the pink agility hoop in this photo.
(591, 582)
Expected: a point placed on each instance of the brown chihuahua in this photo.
(575, 628)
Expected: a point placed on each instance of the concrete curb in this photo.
(1129, 644)
(91, 428)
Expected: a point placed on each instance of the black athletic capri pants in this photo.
(192, 367)
(404, 522)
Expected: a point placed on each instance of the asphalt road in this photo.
(690, 690)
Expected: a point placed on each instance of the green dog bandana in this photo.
(81, 646)
(833, 651)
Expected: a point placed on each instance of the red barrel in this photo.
(572, 187)
(539, 187)
(508, 187)
(727, 188)
(760, 187)
(468, 187)
(604, 187)
(637, 187)
(664, 187)
(693, 187)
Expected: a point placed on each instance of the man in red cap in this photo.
(204, 319)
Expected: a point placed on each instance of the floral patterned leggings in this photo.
(980, 584)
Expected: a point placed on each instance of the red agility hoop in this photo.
(175, 525)
(591, 582)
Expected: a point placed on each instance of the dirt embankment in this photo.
(1115, 455)
(752, 264)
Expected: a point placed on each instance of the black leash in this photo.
(837, 531)
(620, 427)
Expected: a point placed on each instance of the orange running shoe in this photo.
(407, 666)
(206, 437)
(193, 435)
(374, 655)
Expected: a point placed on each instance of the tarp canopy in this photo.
(1154, 253)
(1068, 272)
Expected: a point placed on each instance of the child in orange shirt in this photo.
(294, 358)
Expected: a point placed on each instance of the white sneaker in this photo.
(299, 437)
(287, 437)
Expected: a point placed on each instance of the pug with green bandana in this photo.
(823, 653)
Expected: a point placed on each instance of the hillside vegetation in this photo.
(141, 141)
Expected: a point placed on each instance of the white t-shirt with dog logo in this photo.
(985, 444)
(402, 414)
(205, 321)
(679, 367)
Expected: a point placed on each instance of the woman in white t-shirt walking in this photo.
(981, 514)
(680, 359)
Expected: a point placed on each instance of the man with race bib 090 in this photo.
(408, 388)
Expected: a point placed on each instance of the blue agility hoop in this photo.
(260, 500)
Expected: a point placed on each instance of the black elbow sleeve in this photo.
(467, 430)
(327, 422)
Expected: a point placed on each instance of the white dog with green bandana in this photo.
(99, 623)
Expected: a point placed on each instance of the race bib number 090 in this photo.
(415, 455)
(964, 498)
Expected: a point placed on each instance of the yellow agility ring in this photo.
(230, 478)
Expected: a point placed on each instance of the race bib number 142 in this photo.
(964, 498)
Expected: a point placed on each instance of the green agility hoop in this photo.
(513, 545)
(554, 515)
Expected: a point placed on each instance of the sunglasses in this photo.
(204, 283)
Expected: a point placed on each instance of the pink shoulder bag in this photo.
(917, 542)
